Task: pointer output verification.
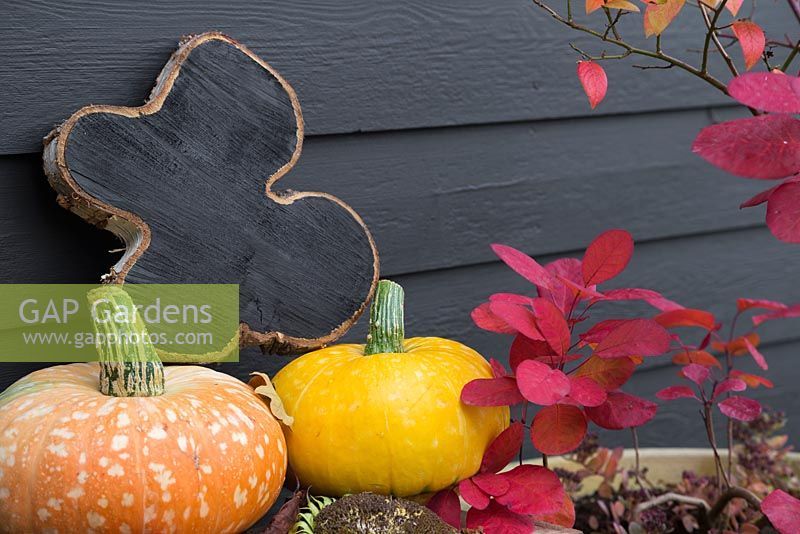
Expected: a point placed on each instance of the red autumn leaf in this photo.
(752, 40)
(446, 505)
(764, 196)
(600, 331)
(758, 199)
(704, 342)
(586, 391)
(583, 292)
(610, 470)
(610, 374)
(676, 392)
(699, 357)
(285, 518)
(594, 81)
(740, 408)
(632, 293)
(737, 347)
(593, 5)
(733, 6)
(551, 324)
(503, 449)
(783, 212)
(792, 311)
(497, 519)
(520, 318)
(483, 318)
(540, 384)
(624, 5)
(751, 380)
(658, 16)
(622, 410)
(696, 373)
(783, 511)
(757, 356)
(471, 493)
(727, 385)
(565, 517)
(491, 483)
(497, 368)
(523, 265)
(558, 429)
(524, 348)
(559, 294)
(491, 392)
(747, 304)
(641, 337)
(686, 317)
(533, 490)
(606, 256)
(664, 304)
(511, 297)
(767, 91)
(653, 298)
(766, 147)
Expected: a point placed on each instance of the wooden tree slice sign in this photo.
(188, 180)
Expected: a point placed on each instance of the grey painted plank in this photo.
(708, 271)
(436, 198)
(358, 65)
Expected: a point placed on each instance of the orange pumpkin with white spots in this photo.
(204, 455)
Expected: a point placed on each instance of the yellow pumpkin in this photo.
(386, 417)
(176, 449)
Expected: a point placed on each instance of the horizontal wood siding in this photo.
(436, 198)
(447, 126)
(357, 65)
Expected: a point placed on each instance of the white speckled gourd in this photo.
(151, 449)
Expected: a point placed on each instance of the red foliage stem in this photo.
(637, 468)
(712, 440)
(728, 369)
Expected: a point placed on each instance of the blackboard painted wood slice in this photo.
(188, 182)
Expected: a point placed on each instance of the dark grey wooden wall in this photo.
(447, 125)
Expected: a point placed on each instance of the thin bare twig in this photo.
(634, 50)
(712, 440)
(637, 467)
(787, 43)
(601, 57)
(790, 57)
(795, 5)
(648, 67)
(711, 36)
(612, 23)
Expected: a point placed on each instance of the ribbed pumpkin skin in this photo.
(386, 423)
(207, 456)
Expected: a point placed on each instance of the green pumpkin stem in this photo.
(386, 329)
(129, 365)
